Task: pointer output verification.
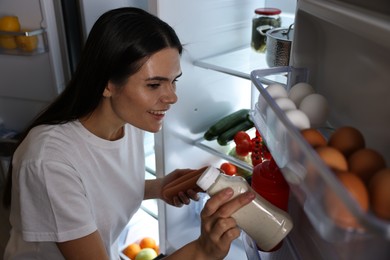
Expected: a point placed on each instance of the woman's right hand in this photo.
(219, 229)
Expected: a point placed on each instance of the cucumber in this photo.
(226, 123)
(227, 136)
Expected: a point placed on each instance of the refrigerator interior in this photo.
(218, 40)
(344, 47)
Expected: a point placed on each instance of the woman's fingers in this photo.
(220, 203)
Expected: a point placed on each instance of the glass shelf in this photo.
(223, 152)
(238, 62)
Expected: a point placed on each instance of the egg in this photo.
(316, 107)
(347, 139)
(379, 191)
(285, 103)
(365, 163)
(313, 137)
(298, 119)
(276, 90)
(332, 158)
(337, 209)
(299, 91)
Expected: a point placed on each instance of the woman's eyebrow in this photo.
(160, 78)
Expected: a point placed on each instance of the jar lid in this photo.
(207, 178)
(268, 11)
(284, 34)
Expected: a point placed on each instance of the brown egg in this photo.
(347, 139)
(337, 209)
(313, 137)
(333, 158)
(379, 190)
(365, 163)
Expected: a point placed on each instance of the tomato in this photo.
(256, 158)
(241, 136)
(244, 148)
(265, 152)
(228, 168)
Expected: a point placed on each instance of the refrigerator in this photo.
(341, 47)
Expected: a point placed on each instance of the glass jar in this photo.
(264, 20)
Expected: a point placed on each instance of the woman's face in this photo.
(149, 93)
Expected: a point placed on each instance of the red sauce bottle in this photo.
(268, 182)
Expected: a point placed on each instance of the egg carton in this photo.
(311, 181)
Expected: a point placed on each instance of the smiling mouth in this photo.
(158, 112)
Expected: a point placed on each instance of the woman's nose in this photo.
(169, 96)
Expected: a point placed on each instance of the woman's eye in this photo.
(156, 85)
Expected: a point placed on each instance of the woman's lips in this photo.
(159, 114)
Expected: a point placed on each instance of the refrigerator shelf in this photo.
(23, 43)
(239, 62)
(222, 151)
(309, 178)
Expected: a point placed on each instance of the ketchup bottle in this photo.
(268, 182)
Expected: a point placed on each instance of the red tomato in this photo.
(256, 158)
(244, 147)
(240, 137)
(265, 152)
(228, 168)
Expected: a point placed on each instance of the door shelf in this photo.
(23, 43)
(311, 181)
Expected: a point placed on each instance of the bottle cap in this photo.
(208, 178)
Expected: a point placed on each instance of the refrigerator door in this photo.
(29, 82)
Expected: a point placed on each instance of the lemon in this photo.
(27, 43)
(146, 254)
(9, 24)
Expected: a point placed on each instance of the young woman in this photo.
(78, 174)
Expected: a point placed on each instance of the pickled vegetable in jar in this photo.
(265, 19)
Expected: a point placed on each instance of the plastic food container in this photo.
(309, 178)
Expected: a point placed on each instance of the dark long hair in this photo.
(119, 43)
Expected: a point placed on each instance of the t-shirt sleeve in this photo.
(54, 204)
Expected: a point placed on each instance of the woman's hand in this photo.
(179, 187)
(218, 228)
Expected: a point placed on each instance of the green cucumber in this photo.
(227, 136)
(226, 123)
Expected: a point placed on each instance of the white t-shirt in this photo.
(68, 183)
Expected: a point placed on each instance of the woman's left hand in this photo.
(173, 184)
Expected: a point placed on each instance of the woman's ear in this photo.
(108, 90)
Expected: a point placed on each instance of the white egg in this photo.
(298, 119)
(285, 103)
(316, 107)
(276, 90)
(299, 91)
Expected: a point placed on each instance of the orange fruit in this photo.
(27, 43)
(132, 250)
(9, 24)
(147, 242)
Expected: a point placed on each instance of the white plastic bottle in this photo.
(261, 220)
